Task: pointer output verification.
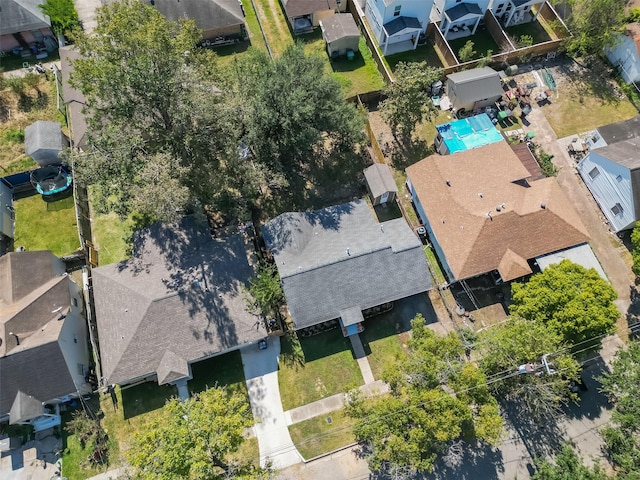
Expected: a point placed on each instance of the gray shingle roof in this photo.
(463, 9)
(402, 23)
(298, 8)
(338, 258)
(181, 293)
(380, 179)
(625, 153)
(619, 131)
(43, 141)
(208, 14)
(24, 408)
(339, 26)
(21, 16)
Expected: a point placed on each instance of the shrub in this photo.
(467, 52)
(14, 136)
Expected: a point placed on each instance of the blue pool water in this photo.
(468, 133)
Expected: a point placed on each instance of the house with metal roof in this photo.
(397, 24)
(484, 214)
(473, 89)
(612, 175)
(180, 299)
(458, 18)
(44, 357)
(336, 262)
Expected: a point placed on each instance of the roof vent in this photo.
(489, 215)
(448, 182)
(498, 208)
(543, 205)
(480, 195)
(382, 228)
(348, 252)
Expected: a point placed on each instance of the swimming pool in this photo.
(468, 133)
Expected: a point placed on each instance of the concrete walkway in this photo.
(87, 13)
(331, 404)
(261, 373)
(361, 358)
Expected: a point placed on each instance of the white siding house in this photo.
(515, 12)
(458, 18)
(624, 55)
(612, 175)
(398, 22)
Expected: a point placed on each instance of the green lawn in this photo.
(42, 225)
(482, 43)
(315, 368)
(110, 237)
(228, 53)
(435, 266)
(534, 29)
(274, 24)
(11, 62)
(316, 436)
(359, 75)
(219, 370)
(422, 53)
(381, 342)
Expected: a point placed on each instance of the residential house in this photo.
(614, 132)
(515, 12)
(336, 262)
(458, 18)
(180, 299)
(22, 23)
(6, 218)
(612, 175)
(44, 357)
(472, 90)
(341, 34)
(305, 15)
(216, 18)
(625, 54)
(484, 216)
(398, 24)
(380, 183)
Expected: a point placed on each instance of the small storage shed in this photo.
(43, 141)
(382, 187)
(341, 34)
(473, 89)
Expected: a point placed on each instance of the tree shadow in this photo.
(406, 152)
(476, 461)
(591, 403)
(27, 103)
(145, 398)
(592, 80)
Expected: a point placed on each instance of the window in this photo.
(594, 173)
(396, 12)
(80, 369)
(619, 178)
(75, 302)
(617, 209)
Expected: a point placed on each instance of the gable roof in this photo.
(339, 26)
(625, 153)
(24, 408)
(337, 258)
(475, 84)
(619, 131)
(533, 218)
(298, 8)
(401, 23)
(463, 9)
(22, 16)
(380, 179)
(208, 14)
(182, 292)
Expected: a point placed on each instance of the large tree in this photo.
(594, 24)
(569, 299)
(567, 465)
(294, 114)
(63, 15)
(504, 348)
(195, 439)
(158, 121)
(407, 100)
(622, 386)
(436, 398)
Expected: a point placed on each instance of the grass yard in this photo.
(110, 235)
(46, 226)
(381, 342)
(274, 24)
(316, 367)
(482, 43)
(435, 266)
(584, 100)
(316, 436)
(422, 53)
(228, 53)
(359, 75)
(219, 370)
(533, 29)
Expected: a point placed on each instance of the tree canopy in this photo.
(63, 15)
(436, 398)
(567, 465)
(195, 439)
(569, 299)
(594, 25)
(505, 347)
(622, 386)
(407, 100)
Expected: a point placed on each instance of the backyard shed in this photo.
(43, 141)
(382, 187)
(340, 33)
(473, 89)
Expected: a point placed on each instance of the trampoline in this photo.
(51, 180)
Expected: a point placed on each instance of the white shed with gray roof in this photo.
(474, 89)
(382, 187)
(336, 259)
(340, 33)
(43, 141)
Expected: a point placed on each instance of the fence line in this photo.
(264, 37)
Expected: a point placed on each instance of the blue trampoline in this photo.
(51, 180)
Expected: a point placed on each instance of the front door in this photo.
(384, 197)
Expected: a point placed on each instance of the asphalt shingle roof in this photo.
(380, 179)
(338, 258)
(182, 292)
(339, 26)
(21, 16)
(208, 14)
(298, 8)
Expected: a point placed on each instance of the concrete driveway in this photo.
(261, 373)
